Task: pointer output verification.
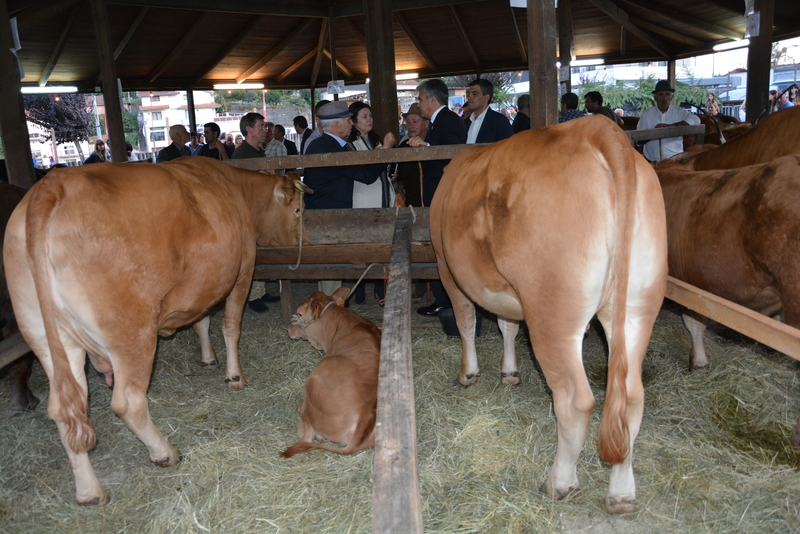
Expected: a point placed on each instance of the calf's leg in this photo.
(509, 372)
(696, 325)
(208, 358)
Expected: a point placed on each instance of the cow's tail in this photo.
(72, 402)
(365, 427)
(614, 437)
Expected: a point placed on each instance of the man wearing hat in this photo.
(333, 186)
(664, 115)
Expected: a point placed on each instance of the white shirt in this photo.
(672, 145)
(476, 121)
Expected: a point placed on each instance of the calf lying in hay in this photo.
(341, 393)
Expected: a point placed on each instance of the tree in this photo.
(780, 55)
(68, 116)
(501, 80)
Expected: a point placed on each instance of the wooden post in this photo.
(671, 75)
(190, 107)
(759, 58)
(396, 501)
(111, 97)
(332, 44)
(13, 126)
(542, 57)
(380, 56)
(566, 43)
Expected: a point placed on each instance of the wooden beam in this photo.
(523, 53)
(348, 23)
(294, 66)
(621, 17)
(541, 53)
(32, 16)
(60, 45)
(396, 501)
(465, 38)
(381, 60)
(566, 40)
(188, 39)
(763, 329)
(401, 19)
(277, 49)
(13, 127)
(245, 32)
(664, 32)
(347, 73)
(12, 348)
(288, 9)
(131, 31)
(323, 33)
(331, 52)
(111, 96)
(691, 21)
(758, 61)
(623, 41)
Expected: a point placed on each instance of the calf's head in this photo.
(309, 321)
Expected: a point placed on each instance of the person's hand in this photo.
(389, 140)
(662, 125)
(416, 141)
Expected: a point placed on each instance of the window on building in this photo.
(157, 116)
(69, 150)
(157, 134)
(155, 98)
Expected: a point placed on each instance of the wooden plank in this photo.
(335, 271)
(241, 35)
(364, 225)
(60, 45)
(523, 50)
(293, 67)
(400, 18)
(323, 33)
(763, 329)
(12, 348)
(396, 501)
(131, 31)
(277, 49)
(621, 17)
(465, 38)
(187, 39)
(663, 133)
(355, 253)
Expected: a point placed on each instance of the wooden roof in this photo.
(175, 44)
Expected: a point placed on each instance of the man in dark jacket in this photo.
(485, 124)
(177, 148)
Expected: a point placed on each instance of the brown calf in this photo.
(341, 394)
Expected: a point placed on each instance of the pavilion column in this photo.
(759, 58)
(108, 71)
(382, 72)
(190, 107)
(672, 77)
(332, 45)
(566, 43)
(542, 57)
(13, 127)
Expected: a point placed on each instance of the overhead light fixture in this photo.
(240, 86)
(586, 62)
(731, 45)
(409, 76)
(48, 90)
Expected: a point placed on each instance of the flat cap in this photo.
(333, 110)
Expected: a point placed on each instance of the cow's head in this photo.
(281, 220)
(309, 321)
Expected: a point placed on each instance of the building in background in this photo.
(162, 109)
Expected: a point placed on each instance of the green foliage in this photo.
(69, 116)
(640, 92)
(220, 99)
(780, 55)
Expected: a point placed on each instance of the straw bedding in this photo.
(712, 455)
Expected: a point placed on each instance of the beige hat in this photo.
(413, 110)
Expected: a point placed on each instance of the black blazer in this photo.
(172, 152)
(495, 127)
(291, 148)
(333, 186)
(447, 129)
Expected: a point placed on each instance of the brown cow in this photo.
(736, 234)
(341, 394)
(102, 259)
(553, 226)
(775, 136)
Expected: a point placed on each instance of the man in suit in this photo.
(301, 128)
(333, 186)
(445, 128)
(177, 149)
(522, 120)
(280, 135)
(486, 125)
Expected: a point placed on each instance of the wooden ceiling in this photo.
(176, 44)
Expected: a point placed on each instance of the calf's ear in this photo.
(340, 295)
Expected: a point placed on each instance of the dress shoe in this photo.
(432, 310)
(266, 297)
(258, 306)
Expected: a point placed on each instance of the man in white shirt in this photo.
(485, 124)
(664, 115)
(273, 147)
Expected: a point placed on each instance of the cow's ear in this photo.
(283, 194)
(340, 295)
(316, 309)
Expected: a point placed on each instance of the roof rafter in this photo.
(523, 51)
(690, 21)
(323, 34)
(32, 16)
(290, 9)
(401, 19)
(675, 36)
(621, 17)
(339, 64)
(135, 26)
(465, 37)
(246, 30)
(60, 45)
(354, 30)
(180, 47)
(277, 49)
(294, 66)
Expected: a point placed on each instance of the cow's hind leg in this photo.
(696, 325)
(509, 371)
(232, 329)
(129, 402)
(208, 358)
(561, 362)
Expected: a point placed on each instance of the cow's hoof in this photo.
(626, 505)
(697, 368)
(795, 439)
(466, 380)
(169, 461)
(210, 365)
(237, 383)
(510, 379)
(99, 500)
(558, 494)
(21, 409)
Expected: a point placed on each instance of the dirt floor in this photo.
(712, 455)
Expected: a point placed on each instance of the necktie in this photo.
(349, 146)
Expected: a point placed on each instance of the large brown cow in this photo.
(102, 259)
(340, 396)
(553, 226)
(775, 136)
(736, 234)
